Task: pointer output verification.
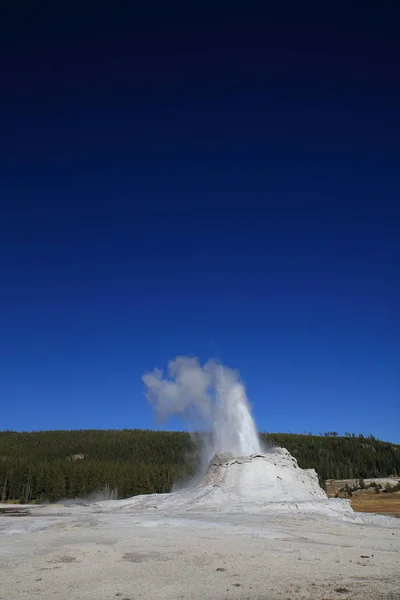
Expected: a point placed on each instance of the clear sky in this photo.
(221, 185)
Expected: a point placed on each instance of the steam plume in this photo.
(210, 398)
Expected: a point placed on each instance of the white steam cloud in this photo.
(209, 398)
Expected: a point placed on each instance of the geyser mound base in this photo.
(262, 478)
(271, 481)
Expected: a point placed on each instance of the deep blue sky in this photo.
(220, 185)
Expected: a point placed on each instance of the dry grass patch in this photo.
(385, 504)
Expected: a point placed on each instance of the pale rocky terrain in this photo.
(256, 528)
(94, 554)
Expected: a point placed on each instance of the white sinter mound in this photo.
(271, 481)
(261, 478)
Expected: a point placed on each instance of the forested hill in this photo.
(50, 465)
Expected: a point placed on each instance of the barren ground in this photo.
(67, 553)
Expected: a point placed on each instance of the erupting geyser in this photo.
(211, 398)
(235, 472)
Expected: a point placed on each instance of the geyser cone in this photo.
(262, 478)
(271, 481)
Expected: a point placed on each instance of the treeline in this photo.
(347, 457)
(52, 465)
